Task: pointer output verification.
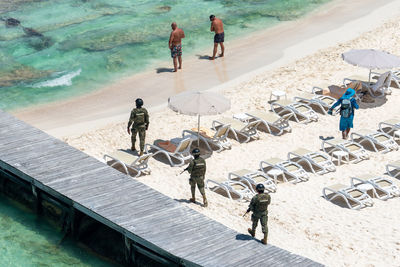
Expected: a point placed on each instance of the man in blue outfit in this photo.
(347, 105)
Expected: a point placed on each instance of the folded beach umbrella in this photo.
(371, 59)
(198, 104)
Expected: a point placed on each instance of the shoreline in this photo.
(283, 42)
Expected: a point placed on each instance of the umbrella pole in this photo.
(369, 77)
(198, 130)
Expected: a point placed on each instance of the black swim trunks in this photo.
(219, 37)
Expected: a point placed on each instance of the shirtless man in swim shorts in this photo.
(175, 45)
(218, 27)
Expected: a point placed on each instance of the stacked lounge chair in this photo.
(379, 141)
(381, 187)
(247, 130)
(252, 178)
(393, 169)
(355, 151)
(235, 190)
(288, 170)
(273, 123)
(321, 102)
(391, 127)
(354, 198)
(318, 162)
(302, 113)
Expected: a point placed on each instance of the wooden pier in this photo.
(149, 222)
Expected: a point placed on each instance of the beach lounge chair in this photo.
(380, 186)
(378, 89)
(273, 123)
(129, 161)
(247, 130)
(321, 102)
(318, 162)
(354, 198)
(252, 178)
(391, 127)
(216, 137)
(378, 140)
(355, 151)
(395, 76)
(178, 149)
(234, 190)
(393, 169)
(290, 171)
(302, 113)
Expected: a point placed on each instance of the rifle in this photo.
(246, 213)
(183, 171)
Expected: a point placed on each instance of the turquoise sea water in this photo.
(85, 44)
(26, 240)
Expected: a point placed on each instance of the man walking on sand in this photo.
(218, 27)
(175, 45)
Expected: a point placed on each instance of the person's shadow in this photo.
(203, 56)
(162, 70)
(182, 200)
(243, 237)
(326, 138)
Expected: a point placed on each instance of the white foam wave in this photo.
(64, 80)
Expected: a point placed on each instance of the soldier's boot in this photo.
(264, 240)
(205, 203)
(251, 232)
(141, 153)
(193, 199)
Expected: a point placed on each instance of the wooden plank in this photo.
(30, 152)
(61, 173)
(81, 185)
(228, 252)
(125, 198)
(11, 124)
(138, 209)
(32, 163)
(94, 201)
(29, 137)
(37, 159)
(54, 176)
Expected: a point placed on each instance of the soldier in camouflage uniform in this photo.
(139, 120)
(259, 206)
(197, 170)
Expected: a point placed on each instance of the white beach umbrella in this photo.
(199, 104)
(371, 59)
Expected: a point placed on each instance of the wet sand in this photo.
(335, 22)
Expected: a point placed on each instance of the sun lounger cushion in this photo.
(167, 145)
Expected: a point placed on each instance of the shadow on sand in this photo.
(326, 138)
(203, 57)
(162, 70)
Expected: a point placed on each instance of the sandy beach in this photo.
(300, 219)
(334, 22)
